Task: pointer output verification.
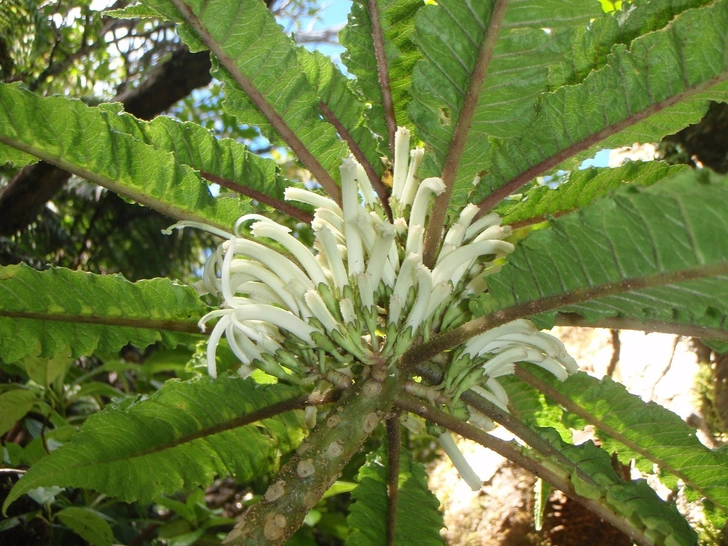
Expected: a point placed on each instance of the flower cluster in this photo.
(363, 295)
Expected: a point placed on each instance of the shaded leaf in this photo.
(397, 27)
(88, 524)
(333, 90)
(636, 501)
(645, 432)
(13, 406)
(455, 42)
(661, 83)
(265, 85)
(196, 147)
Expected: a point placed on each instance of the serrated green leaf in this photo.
(515, 56)
(133, 12)
(397, 28)
(635, 501)
(181, 437)
(532, 407)
(661, 83)
(333, 89)
(80, 139)
(13, 406)
(646, 432)
(265, 85)
(45, 370)
(579, 188)
(45, 313)
(87, 524)
(418, 518)
(654, 253)
(594, 41)
(192, 145)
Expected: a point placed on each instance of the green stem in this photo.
(317, 464)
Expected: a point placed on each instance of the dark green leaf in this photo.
(88, 524)
(397, 28)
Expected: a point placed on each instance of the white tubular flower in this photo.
(330, 249)
(324, 217)
(241, 345)
(383, 257)
(410, 184)
(311, 198)
(319, 310)
(493, 232)
(351, 207)
(460, 259)
(285, 268)
(214, 339)
(440, 293)
(366, 290)
(482, 224)
(197, 225)
(491, 397)
(346, 306)
(428, 187)
(401, 155)
(459, 462)
(405, 279)
(474, 346)
(366, 187)
(415, 239)
(362, 294)
(282, 235)
(270, 279)
(418, 313)
(281, 318)
(250, 217)
(503, 363)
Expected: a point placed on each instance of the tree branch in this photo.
(433, 235)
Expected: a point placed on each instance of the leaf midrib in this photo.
(448, 340)
(100, 320)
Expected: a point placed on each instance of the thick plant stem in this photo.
(317, 464)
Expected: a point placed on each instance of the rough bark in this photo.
(22, 199)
